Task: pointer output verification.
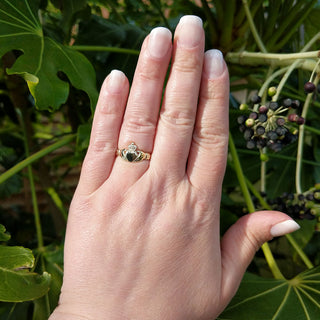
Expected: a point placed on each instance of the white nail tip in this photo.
(191, 19)
(283, 228)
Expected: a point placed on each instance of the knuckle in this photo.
(187, 63)
(181, 118)
(139, 123)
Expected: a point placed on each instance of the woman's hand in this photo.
(143, 238)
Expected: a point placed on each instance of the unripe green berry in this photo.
(272, 91)
(250, 122)
(243, 107)
(264, 157)
(316, 195)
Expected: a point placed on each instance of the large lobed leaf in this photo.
(16, 282)
(42, 58)
(266, 299)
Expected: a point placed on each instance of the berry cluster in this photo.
(270, 125)
(299, 206)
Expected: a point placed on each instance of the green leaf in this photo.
(266, 299)
(17, 284)
(3, 236)
(43, 58)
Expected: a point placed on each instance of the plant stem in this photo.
(280, 156)
(105, 48)
(30, 159)
(58, 202)
(301, 138)
(300, 252)
(253, 27)
(285, 78)
(36, 212)
(274, 59)
(245, 191)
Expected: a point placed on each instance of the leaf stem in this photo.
(274, 59)
(300, 252)
(301, 138)
(253, 27)
(245, 191)
(105, 48)
(36, 156)
(36, 212)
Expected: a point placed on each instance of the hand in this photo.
(143, 238)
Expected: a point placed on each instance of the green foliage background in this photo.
(54, 57)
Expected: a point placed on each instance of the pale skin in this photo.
(143, 239)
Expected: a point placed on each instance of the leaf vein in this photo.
(22, 15)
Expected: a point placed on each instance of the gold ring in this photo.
(132, 154)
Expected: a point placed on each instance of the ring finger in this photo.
(141, 115)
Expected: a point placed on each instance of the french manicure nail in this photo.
(159, 42)
(283, 228)
(213, 64)
(190, 31)
(115, 81)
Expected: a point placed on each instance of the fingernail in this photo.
(116, 81)
(213, 64)
(159, 42)
(190, 31)
(283, 228)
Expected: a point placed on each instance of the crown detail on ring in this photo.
(131, 154)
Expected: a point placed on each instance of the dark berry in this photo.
(272, 135)
(300, 197)
(281, 131)
(251, 144)
(309, 87)
(263, 109)
(273, 105)
(242, 119)
(295, 104)
(260, 130)
(242, 128)
(256, 99)
(280, 121)
(300, 121)
(293, 117)
(261, 143)
(287, 102)
(248, 133)
(263, 117)
(253, 115)
(310, 197)
(290, 196)
(276, 146)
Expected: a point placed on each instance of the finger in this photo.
(178, 111)
(105, 132)
(208, 153)
(142, 112)
(243, 239)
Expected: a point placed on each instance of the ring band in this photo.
(132, 154)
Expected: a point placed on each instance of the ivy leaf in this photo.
(3, 236)
(43, 58)
(264, 299)
(17, 284)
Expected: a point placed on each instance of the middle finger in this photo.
(177, 117)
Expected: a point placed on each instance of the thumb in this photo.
(243, 239)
